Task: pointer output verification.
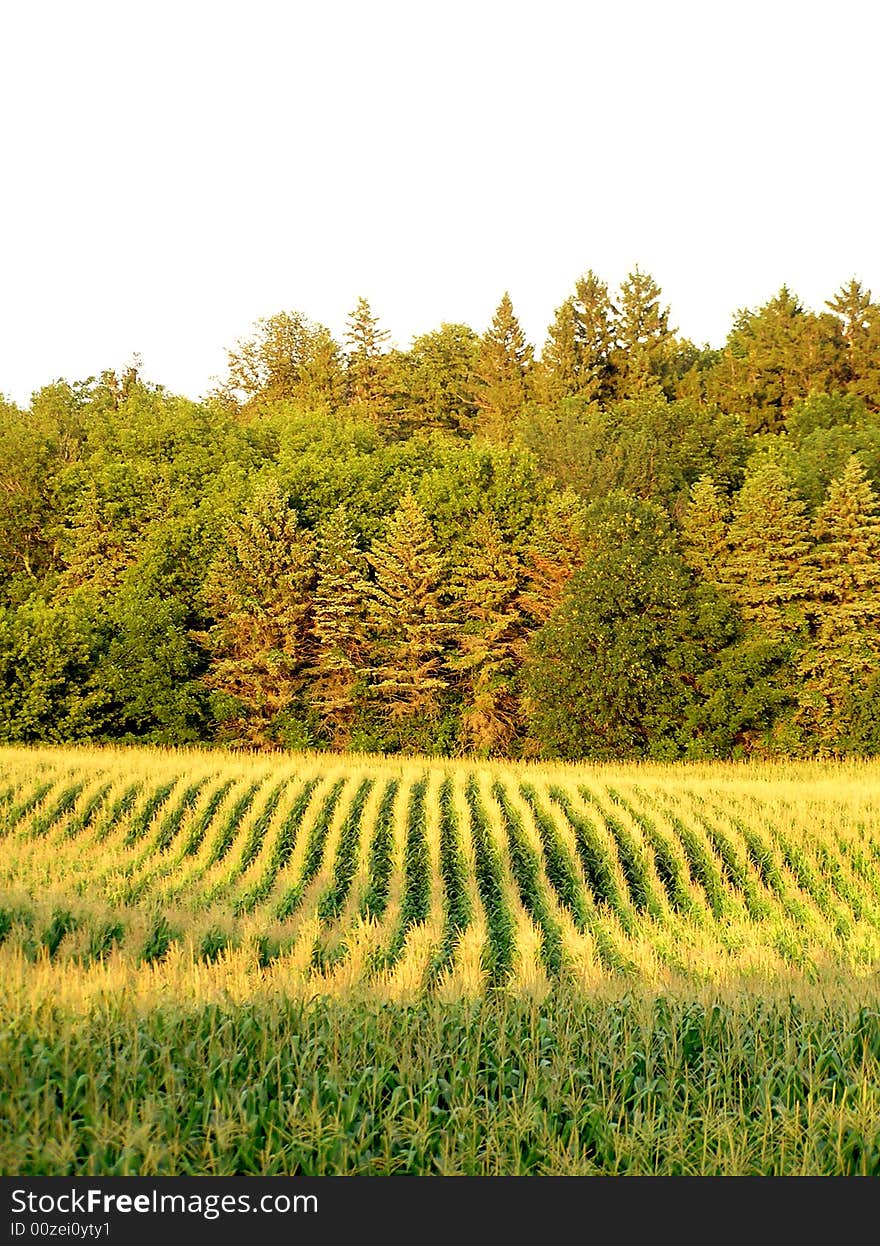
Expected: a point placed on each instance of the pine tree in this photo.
(770, 544)
(259, 592)
(844, 657)
(321, 384)
(646, 343)
(555, 551)
(577, 359)
(339, 625)
(860, 324)
(503, 367)
(409, 615)
(559, 370)
(704, 533)
(598, 337)
(774, 357)
(368, 385)
(491, 638)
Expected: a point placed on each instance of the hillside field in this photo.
(321, 964)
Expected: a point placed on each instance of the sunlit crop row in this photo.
(396, 879)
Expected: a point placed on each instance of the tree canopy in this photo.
(623, 544)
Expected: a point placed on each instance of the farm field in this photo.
(215, 963)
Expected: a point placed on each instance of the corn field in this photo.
(409, 917)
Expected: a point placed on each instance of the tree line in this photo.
(623, 546)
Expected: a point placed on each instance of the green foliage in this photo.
(314, 853)
(454, 872)
(148, 671)
(769, 537)
(467, 481)
(644, 1083)
(525, 866)
(843, 659)
(375, 899)
(286, 357)
(612, 671)
(325, 461)
(644, 338)
(775, 356)
(258, 591)
(339, 625)
(748, 692)
(859, 318)
(416, 899)
(554, 552)
(281, 851)
(578, 357)
(48, 657)
(409, 615)
(821, 435)
(647, 445)
(594, 857)
(560, 872)
(368, 372)
(331, 902)
(705, 532)
(488, 869)
(503, 369)
(178, 572)
(490, 639)
(30, 452)
(436, 380)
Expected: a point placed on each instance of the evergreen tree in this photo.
(339, 624)
(490, 640)
(554, 553)
(758, 562)
(321, 382)
(843, 660)
(367, 367)
(646, 343)
(770, 544)
(774, 357)
(577, 359)
(409, 616)
(258, 591)
(704, 533)
(860, 325)
(502, 370)
(558, 372)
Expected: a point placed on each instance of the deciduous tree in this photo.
(286, 358)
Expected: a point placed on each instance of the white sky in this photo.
(172, 171)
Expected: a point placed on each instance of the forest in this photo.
(620, 546)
